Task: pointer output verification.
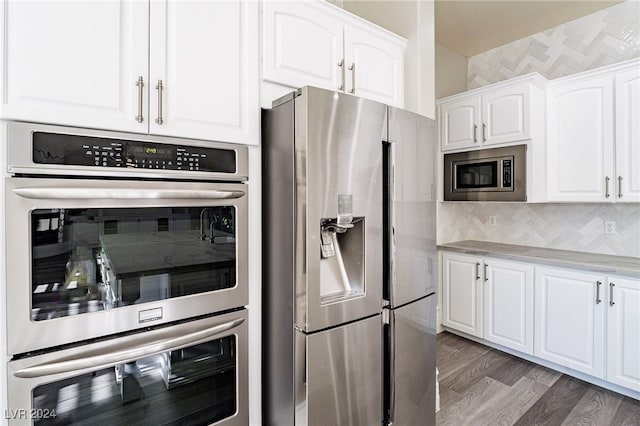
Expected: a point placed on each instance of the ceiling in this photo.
(469, 27)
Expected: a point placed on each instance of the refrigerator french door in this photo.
(187, 373)
(110, 232)
(322, 276)
(409, 269)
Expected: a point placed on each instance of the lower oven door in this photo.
(90, 258)
(191, 373)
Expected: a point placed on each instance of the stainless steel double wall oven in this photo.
(126, 278)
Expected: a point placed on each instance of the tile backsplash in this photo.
(606, 37)
(577, 227)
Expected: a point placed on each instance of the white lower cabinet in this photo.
(462, 293)
(623, 332)
(508, 304)
(570, 319)
(584, 321)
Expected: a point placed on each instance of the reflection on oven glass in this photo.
(191, 386)
(86, 260)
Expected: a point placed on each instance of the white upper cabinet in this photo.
(628, 135)
(501, 113)
(206, 56)
(100, 64)
(593, 152)
(315, 43)
(75, 63)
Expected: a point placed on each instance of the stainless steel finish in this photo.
(413, 204)
(352, 68)
(20, 156)
(21, 387)
(477, 271)
(140, 84)
(338, 379)
(412, 363)
(159, 88)
(484, 132)
(606, 186)
(338, 155)
(25, 335)
(130, 348)
(486, 276)
(611, 286)
(519, 192)
(115, 193)
(598, 300)
(619, 186)
(475, 133)
(341, 65)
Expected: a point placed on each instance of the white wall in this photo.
(413, 20)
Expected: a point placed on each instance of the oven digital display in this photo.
(149, 151)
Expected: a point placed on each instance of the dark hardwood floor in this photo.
(483, 386)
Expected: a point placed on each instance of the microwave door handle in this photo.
(130, 349)
(124, 193)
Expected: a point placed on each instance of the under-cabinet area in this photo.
(578, 313)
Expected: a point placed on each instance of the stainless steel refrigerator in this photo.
(337, 304)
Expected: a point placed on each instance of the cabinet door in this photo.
(508, 304)
(628, 136)
(623, 333)
(374, 66)
(459, 121)
(580, 141)
(569, 312)
(206, 55)
(75, 63)
(301, 45)
(506, 115)
(462, 293)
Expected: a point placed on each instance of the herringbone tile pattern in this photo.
(602, 38)
(572, 226)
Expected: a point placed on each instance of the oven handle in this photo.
(130, 349)
(125, 193)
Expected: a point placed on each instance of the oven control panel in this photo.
(74, 150)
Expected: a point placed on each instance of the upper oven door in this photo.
(89, 258)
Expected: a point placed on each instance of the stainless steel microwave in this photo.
(497, 174)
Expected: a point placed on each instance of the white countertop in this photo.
(593, 262)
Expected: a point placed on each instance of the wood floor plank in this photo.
(483, 392)
(507, 410)
(482, 366)
(512, 370)
(459, 359)
(597, 407)
(628, 413)
(556, 404)
(543, 375)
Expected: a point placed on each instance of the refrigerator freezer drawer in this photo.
(411, 368)
(338, 379)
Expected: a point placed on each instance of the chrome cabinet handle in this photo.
(130, 349)
(124, 194)
(484, 132)
(140, 84)
(477, 271)
(611, 286)
(475, 133)
(606, 186)
(598, 300)
(619, 186)
(341, 65)
(486, 278)
(352, 68)
(159, 88)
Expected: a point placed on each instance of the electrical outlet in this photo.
(610, 228)
(492, 220)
